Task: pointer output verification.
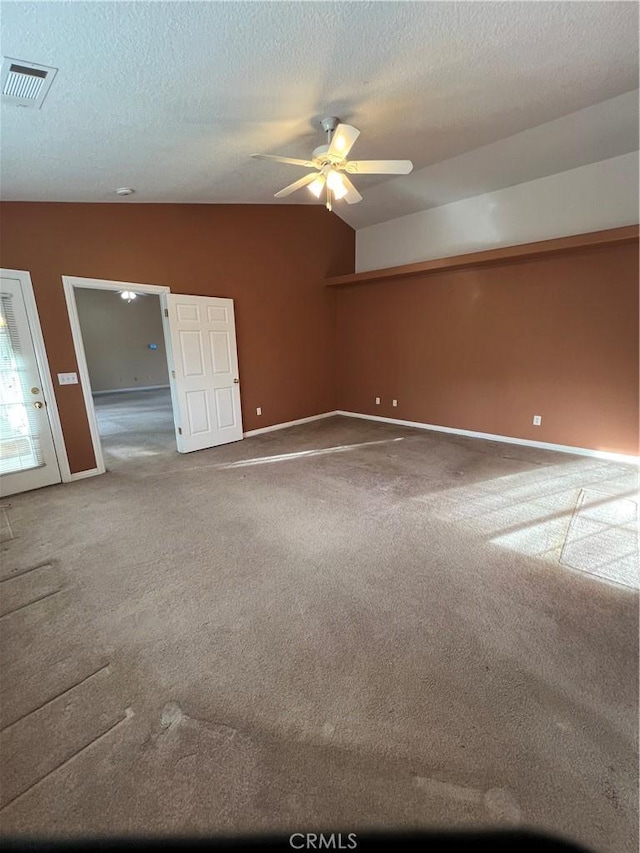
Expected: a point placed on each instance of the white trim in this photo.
(135, 388)
(69, 283)
(42, 361)
(110, 284)
(291, 423)
(168, 348)
(543, 445)
(82, 475)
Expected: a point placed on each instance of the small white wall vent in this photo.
(25, 84)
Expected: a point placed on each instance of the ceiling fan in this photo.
(330, 164)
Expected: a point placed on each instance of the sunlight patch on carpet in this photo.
(303, 454)
(6, 533)
(603, 538)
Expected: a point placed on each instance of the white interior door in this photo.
(204, 371)
(27, 453)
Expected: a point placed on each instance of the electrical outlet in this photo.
(537, 420)
(394, 402)
(259, 410)
(377, 401)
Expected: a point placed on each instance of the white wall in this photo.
(116, 336)
(590, 198)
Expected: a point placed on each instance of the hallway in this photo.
(135, 424)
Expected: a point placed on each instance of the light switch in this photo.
(67, 378)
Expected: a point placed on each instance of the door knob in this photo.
(38, 404)
(236, 381)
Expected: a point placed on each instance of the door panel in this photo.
(224, 407)
(191, 351)
(205, 386)
(220, 355)
(198, 412)
(27, 453)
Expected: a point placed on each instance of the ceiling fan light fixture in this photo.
(335, 183)
(316, 186)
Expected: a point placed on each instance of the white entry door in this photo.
(204, 375)
(27, 453)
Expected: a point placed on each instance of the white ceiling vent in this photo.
(25, 84)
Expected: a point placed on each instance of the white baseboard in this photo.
(124, 390)
(82, 475)
(290, 424)
(543, 445)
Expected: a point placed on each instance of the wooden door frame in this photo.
(70, 283)
(42, 361)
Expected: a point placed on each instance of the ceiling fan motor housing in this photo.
(320, 156)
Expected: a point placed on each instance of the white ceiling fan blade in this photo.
(307, 163)
(297, 185)
(343, 140)
(352, 195)
(379, 167)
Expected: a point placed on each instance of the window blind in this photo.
(20, 446)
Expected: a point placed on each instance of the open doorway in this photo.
(197, 349)
(127, 370)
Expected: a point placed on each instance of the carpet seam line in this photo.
(126, 717)
(29, 603)
(106, 666)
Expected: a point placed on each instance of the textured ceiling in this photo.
(173, 98)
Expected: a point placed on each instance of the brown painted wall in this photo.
(482, 349)
(485, 349)
(270, 259)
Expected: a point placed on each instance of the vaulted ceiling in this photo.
(172, 98)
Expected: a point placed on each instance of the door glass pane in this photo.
(19, 440)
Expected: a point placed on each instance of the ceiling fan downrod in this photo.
(329, 125)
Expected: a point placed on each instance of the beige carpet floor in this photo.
(341, 625)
